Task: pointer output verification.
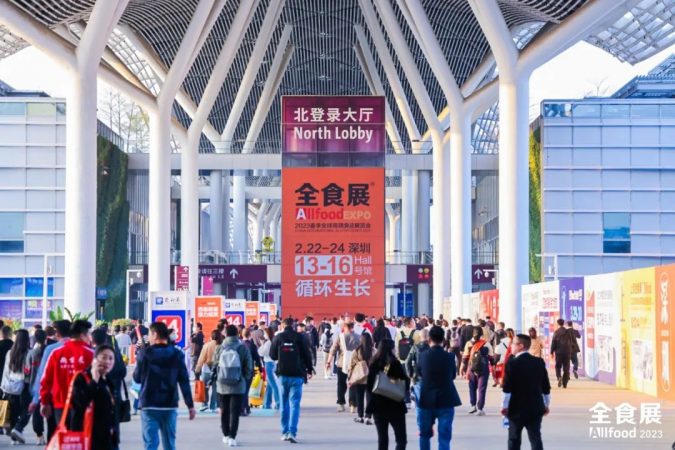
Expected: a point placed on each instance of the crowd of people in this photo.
(70, 377)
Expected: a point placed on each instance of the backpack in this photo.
(289, 359)
(478, 357)
(229, 365)
(13, 383)
(453, 337)
(405, 344)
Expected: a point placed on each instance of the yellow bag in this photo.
(4, 414)
(256, 394)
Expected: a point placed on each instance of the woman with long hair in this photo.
(502, 354)
(360, 358)
(92, 386)
(15, 385)
(537, 344)
(272, 391)
(386, 411)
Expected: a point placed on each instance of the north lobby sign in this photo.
(333, 253)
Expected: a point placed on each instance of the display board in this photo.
(171, 307)
(208, 312)
(665, 331)
(234, 311)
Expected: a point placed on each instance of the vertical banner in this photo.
(251, 313)
(181, 277)
(531, 305)
(273, 311)
(489, 305)
(264, 313)
(333, 252)
(208, 311)
(665, 331)
(572, 309)
(602, 294)
(474, 301)
(639, 311)
(207, 285)
(235, 311)
(170, 307)
(549, 313)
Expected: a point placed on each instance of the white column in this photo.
(439, 231)
(259, 226)
(226, 211)
(424, 211)
(239, 215)
(460, 218)
(216, 207)
(407, 214)
(159, 212)
(513, 197)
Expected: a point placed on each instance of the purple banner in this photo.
(420, 273)
(244, 273)
(482, 273)
(325, 124)
(572, 308)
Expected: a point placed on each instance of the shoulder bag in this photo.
(391, 388)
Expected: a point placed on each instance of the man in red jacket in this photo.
(62, 365)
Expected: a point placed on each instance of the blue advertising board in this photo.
(405, 304)
(170, 307)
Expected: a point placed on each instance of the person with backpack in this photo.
(15, 385)
(341, 352)
(234, 369)
(478, 356)
(407, 337)
(454, 342)
(294, 367)
(502, 355)
(562, 345)
(326, 342)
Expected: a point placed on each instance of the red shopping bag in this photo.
(200, 392)
(65, 439)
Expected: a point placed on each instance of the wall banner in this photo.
(208, 312)
(665, 331)
(603, 326)
(572, 308)
(235, 311)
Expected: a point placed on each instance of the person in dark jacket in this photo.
(5, 346)
(561, 348)
(197, 341)
(160, 368)
(93, 385)
(386, 411)
(527, 394)
(438, 397)
(466, 332)
(116, 375)
(575, 347)
(294, 368)
(380, 332)
(257, 364)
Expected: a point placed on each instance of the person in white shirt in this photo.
(123, 339)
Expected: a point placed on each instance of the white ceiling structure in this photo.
(324, 60)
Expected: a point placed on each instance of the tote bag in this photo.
(392, 388)
(65, 439)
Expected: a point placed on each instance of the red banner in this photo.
(665, 331)
(333, 252)
(208, 311)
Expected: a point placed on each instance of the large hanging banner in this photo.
(572, 309)
(665, 331)
(640, 329)
(602, 294)
(333, 252)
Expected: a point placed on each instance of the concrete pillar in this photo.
(226, 210)
(513, 196)
(239, 216)
(216, 216)
(439, 231)
(423, 211)
(407, 214)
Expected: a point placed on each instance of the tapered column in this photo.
(226, 212)
(239, 215)
(216, 207)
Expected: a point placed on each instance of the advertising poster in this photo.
(264, 313)
(34, 308)
(474, 302)
(208, 311)
(273, 311)
(170, 307)
(665, 331)
(251, 313)
(333, 252)
(603, 326)
(572, 308)
(639, 312)
(489, 304)
(531, 305)
(234, 311)
(549, 313)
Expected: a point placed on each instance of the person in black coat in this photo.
(436, 369)
(527, 394)
(93, 385)
(386, 411)
(380, 332)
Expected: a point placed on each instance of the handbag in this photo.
(200, 392)
(65, 439)
(392, 388)
(4, 414)
(359, 374)
(125, 406)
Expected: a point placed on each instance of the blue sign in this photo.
(405, 305)
(101, 293)
(175, 320)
